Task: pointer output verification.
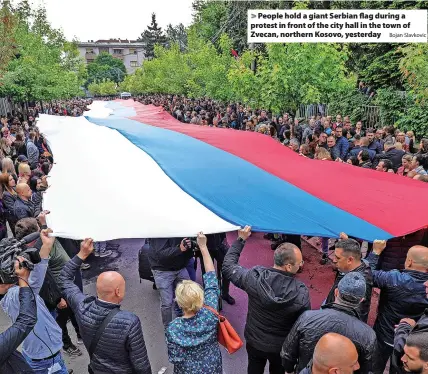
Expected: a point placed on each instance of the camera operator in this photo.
(50, 291)
(11, 361)
(42, 347)
(168, 259)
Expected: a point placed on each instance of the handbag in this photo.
(227, 336)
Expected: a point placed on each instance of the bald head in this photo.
(23, 190)
(417, 258)
(335, 352)
(111, 287)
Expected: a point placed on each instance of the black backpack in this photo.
(144, 268)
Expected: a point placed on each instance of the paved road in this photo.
(143, 300)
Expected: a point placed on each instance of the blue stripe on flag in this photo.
(236, 190)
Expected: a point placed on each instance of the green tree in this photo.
(176, 34)
(7, 35)
(104, 88)
(40, 72)
(106, 67)
(152, 36)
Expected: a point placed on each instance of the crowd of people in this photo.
(385, 149)
(280, 329)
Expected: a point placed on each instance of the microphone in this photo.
(29, 238)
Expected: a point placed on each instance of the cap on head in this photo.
(352, 287)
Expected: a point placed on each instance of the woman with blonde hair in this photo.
(8, 167)
(322, 154)
(192, 339)
(24, 173)
(406, 163)
(5, 148)
(412, 140)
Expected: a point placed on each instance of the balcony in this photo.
(90, 55)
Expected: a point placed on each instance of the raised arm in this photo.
(37, 276)
(70, 291)
(231, 269)
(212, 291)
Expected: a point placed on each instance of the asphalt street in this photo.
(141, 299)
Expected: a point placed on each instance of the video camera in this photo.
(193, 244)
(10, 249)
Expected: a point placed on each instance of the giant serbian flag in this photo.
(126, 170)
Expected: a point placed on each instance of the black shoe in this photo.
(72, 350)
(324, 259)
(70, 371)
(154, 286)
(229, 299)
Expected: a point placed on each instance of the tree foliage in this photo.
(106, 67)
(287, 75)
(176, 34)
(8, 23)
(152, 36)
(41, 68)
(104, 88)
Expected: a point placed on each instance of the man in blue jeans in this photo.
(168, 259)
(42, 352)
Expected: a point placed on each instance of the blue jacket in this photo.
(403, 295)
(355, 152)
(46, 327)
(376, 146)
(342, 145)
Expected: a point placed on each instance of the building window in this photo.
(134, 64)
(89, 50)
(103, 50)
(117, 51)
(132, 51)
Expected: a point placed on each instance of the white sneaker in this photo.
(106, 253)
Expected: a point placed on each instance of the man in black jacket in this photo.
(403, 294)
(11, 361)
(400, 358)
(275, 300)
(121, 348)
(392, 154)
(340, 317)
(168, 259)
(347, 258)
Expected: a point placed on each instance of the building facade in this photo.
(129, 51)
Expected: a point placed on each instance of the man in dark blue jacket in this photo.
(403, 294)
(121, 348)
(342, 143)
(374, 144)
(362, 145)
(11, 361)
